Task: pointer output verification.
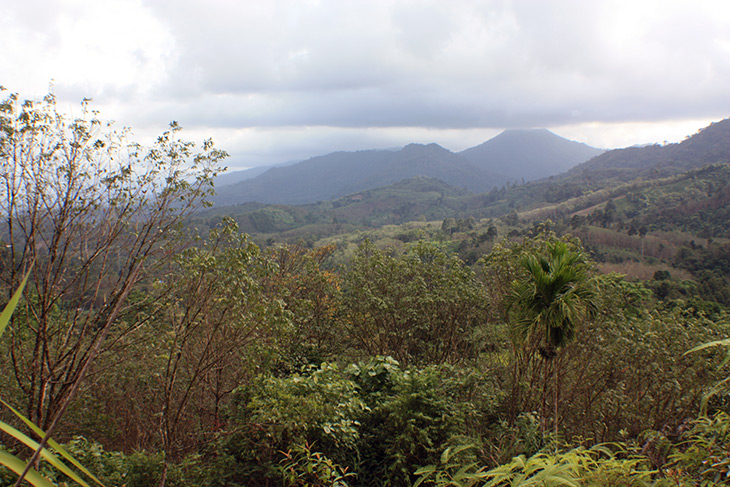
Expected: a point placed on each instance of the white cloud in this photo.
(98, 47)
(624, 134)
(285, 77)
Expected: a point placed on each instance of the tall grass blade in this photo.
(52, 443)
(18, 466)
(46, 454)
(12, 304)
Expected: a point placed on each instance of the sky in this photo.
(273, 81)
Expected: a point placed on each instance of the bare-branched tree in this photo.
(96, 214)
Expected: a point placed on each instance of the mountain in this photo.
(513, 155)
(342, 173)
(529, 154)
(708, 146)
(614, 192)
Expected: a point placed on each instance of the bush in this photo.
(374, 419)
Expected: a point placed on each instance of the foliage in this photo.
(302, 466)
(375, 418)
(450, 471)
(711, 266)
(720, 388)
(310, 294)
(505, 440)
(503, 264)
(596, 466)
(422, 307)
(415, 413)
(698, 457)
(211, 326)
(213, 316)
(703, 452)
(278, 414)
(109, 467)
(628, 372)
(555, 298)
(548, 306)
(540, 287)
(134, 469)
(317, 405)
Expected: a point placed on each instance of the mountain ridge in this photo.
(338, 174)
(708, 145)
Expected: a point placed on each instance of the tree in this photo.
(422, 307)
(549, 302)
(212, 310)
(96, 214)
(642, 233)
(492, 232)
(310, 295)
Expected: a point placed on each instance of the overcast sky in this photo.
(280, 80)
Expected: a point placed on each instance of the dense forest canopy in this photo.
(164, 346)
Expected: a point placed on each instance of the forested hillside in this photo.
(427, 198)
(546, 333)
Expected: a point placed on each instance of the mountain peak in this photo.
(527, 131)
(420, 147)
(529, 154)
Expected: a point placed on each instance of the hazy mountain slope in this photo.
(709, 145)
(341, 173)
(434, 161)
(529, 154)
(307, 181)
(233, 177)
(238, 176)
(407, 200)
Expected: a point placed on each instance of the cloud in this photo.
(99, 47)
(360, 71)
(444, 64)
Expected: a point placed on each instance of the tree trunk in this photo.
(543, 409)
(163, 477)
(556, 371)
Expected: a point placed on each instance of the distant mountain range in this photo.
(514, 155)
(611, 175)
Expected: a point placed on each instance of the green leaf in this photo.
(717, 343)
(12, 304)
(52, 443)
(424, 473)
(47, 455)
(17, 465)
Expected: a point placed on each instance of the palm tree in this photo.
(549, 303)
